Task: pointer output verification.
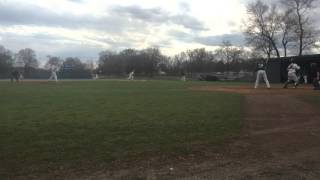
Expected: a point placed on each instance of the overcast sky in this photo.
(83, 28)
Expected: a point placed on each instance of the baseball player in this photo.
(131, 75)
(183, 76)
(54, 76)
(15, 75)
(292, 76)
(261, 73)
(315, 74)
(304, 75)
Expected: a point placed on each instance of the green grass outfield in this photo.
(44, 126)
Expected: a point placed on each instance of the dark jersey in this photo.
(15, 73)
(261, 66)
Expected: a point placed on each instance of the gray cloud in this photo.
(136, 12)
(32, 15)
(11, 14)
(235, 39)
(45, 36)
(45, 44)
(158, 15)
(181, 36)
(84, 52)
(121, 19)
(188, 22)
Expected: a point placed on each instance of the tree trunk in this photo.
(275, 47)
(284, 48)
(301, 32)
(301, 41)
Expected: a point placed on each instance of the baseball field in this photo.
(157, 130)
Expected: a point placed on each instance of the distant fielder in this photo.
(15, 76)
(54, 70)
(292, 76)
(131, 75)
(183, 76)
(261, 73)
(96, 76)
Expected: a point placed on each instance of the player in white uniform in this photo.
(292, 76)
(131, 75)
(183, 76)
(261, 72)
(54, 76)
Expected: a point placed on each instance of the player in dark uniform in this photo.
(315, 75)
(261, 73)
(15, 75)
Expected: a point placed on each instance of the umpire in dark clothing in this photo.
(315, 75)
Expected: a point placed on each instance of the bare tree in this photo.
(259, 45)
(28, 58)
(229, 54)
(74, 63)
(178, 62)
(287, 30)
(53, 62)
(6, 60)
(262, 27)
(305, 32)
(197, 60)
(150, 59)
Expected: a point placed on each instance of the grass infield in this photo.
(44, 126)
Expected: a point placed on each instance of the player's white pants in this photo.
(293, 77)
(305, 79)
(130, 77)
(264, 75)
(54, 76)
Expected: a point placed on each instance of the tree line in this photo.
(26, 62)
(145, 62)
(150, 61)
